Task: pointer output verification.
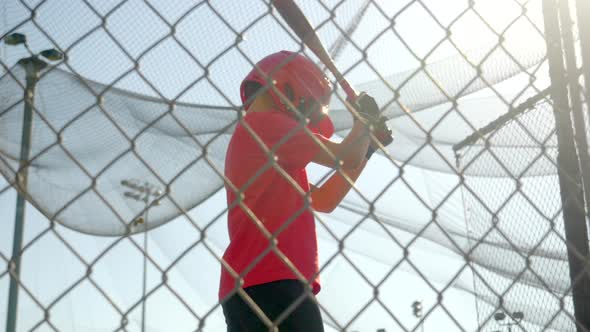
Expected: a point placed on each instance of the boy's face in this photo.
(318, 114)
(314, 111)
(319, 109)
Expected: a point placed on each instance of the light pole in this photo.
(515, 319)
(33, 66)
(149, 194)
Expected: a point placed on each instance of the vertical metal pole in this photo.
(32, 67)
(145, 244)
(568, 171)
(143, 192)
(575, 98)
(583, 15)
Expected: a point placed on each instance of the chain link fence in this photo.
(496, 206)
(115, 118)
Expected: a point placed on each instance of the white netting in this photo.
(522, 213)
(149, 93)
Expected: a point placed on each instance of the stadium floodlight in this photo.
(499, 316)
(515, 319)
(518, 315)
(417, 309)
(15, 39)
(52, 54)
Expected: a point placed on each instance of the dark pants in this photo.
(273, 298)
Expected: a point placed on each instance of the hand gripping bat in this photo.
(295, 18)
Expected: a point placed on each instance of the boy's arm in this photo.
(350, 152)
(327, 197)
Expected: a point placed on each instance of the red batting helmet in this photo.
(297, 78)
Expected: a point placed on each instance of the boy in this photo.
(272, 253)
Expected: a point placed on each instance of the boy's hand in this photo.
(382, 133)
(366, 108)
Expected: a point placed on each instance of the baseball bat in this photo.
(297, 21)
(295, 18)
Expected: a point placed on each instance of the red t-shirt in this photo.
(273, 199)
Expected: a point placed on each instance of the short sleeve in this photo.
(293, 145)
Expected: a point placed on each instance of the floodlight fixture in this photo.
(518, 315)
(15, 39)
(52, 54)
(417, 309)
(499, 316)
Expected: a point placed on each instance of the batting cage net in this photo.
(520, 267)
(115, 121)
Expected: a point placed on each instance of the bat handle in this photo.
(350, 93)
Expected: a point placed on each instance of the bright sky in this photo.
(49, 268)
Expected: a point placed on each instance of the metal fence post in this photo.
(575, 94)
(583, 15)
(568, 170)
